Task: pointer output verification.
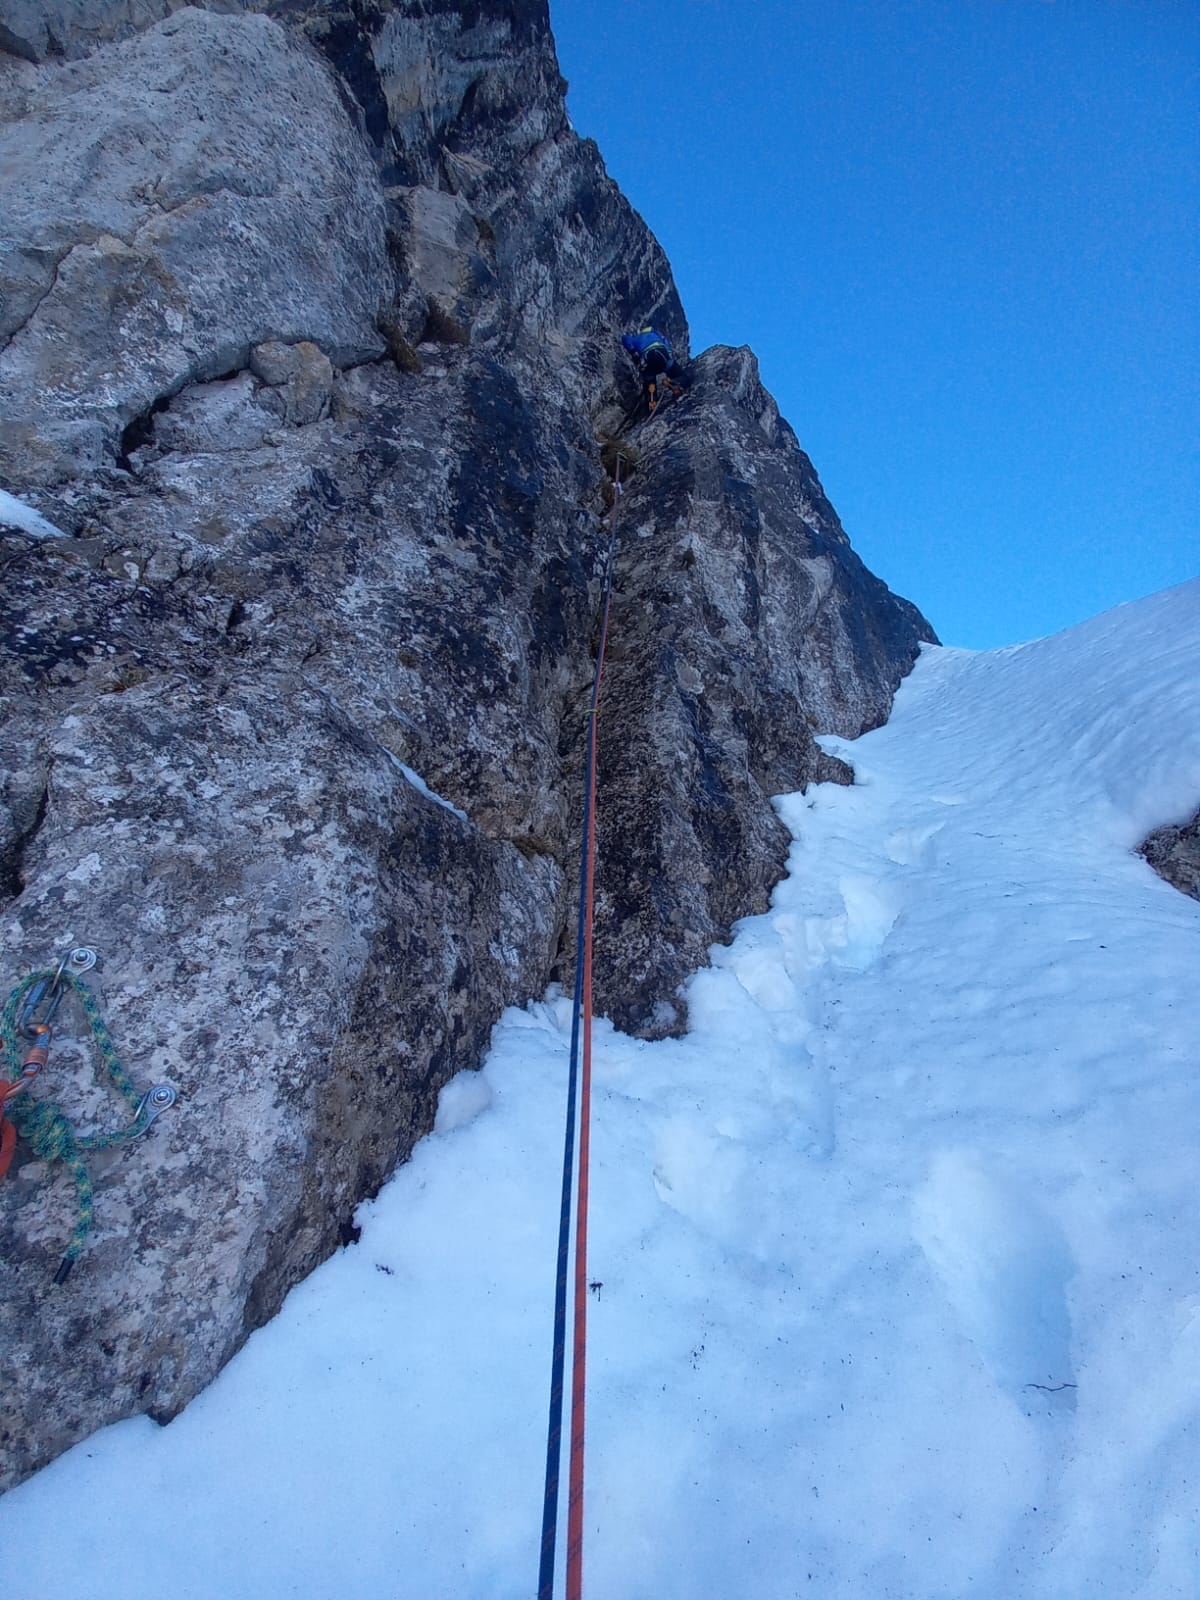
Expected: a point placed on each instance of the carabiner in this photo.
(38, 1053)
(50, 991)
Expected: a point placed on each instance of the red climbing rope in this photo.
(36, 1057)
(579, 1079)
(8, 1133)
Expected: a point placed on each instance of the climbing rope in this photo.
(43, 1124)
(579, 1087)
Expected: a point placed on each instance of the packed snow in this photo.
(15, 513)
(896, 1283)
(419, 784)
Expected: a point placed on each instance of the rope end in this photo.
(64, 1270)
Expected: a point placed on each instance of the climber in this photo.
(659, 370)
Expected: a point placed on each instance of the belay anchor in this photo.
(26, 1033)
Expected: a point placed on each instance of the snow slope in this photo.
(898, 1283)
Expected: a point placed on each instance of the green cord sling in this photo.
(44, 1125)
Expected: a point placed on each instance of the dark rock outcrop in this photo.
(308, 346)
(743, 624)
(1174, 853)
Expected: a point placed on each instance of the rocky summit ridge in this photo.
(309, 344)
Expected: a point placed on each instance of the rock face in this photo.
(50, 30)
(743, 624)
(1174, 853)
(165, 223)
(310, 333)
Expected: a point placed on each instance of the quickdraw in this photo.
(29, 1016)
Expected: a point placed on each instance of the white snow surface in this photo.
(15, 513)
(419, 784)
(896, 1253)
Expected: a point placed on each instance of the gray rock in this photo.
(233, 415)
(302, 371)
(37, 450)
(292, 934)
(1174, 853)
(442, 243)
(259, 877)
(296, 576)
(163, 226)
(50, 30)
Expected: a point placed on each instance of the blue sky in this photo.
(963, 238)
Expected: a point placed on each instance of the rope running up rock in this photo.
(577, 1130)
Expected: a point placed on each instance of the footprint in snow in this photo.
(872, 906)
(913, 847)
(1003, 1264)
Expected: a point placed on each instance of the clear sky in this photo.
(963, 238)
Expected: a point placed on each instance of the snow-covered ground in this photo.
(897, 1253)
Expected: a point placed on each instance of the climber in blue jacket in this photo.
(659, 369)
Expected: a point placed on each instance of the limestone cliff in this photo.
(309, 322)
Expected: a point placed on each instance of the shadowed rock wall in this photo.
(309, 325)
(743, 623)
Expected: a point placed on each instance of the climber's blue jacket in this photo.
(646, 339)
